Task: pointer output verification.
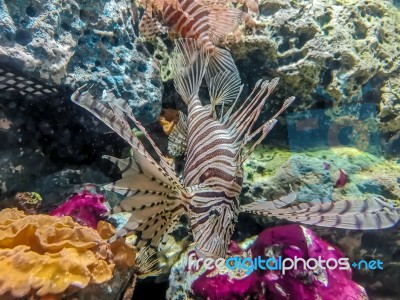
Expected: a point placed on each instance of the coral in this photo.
(167, 126)
(342, 180)
(170, 253)
(301, 283)
(85, 208)
(44, 255)
(29, 201)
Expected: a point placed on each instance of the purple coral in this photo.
(85, 208)
(289, 241)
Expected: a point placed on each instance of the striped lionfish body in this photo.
(208, 23)
(212, 138)
(213, 166)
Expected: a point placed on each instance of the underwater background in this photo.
(339, 141)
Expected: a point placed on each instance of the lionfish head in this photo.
(213, 221)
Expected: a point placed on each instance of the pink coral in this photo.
(287, 242)
(342, 180)
(85, 208)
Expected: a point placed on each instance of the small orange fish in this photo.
(168, 119)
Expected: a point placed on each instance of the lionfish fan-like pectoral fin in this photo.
(222, 21)
(220, 61)
(266, 205)
(134, 180)
(373, 213)
(177, 140)
(153, 216)
(112, 112)
(188, 64)
(224, 88)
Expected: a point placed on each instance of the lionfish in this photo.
(206, 21)
(213, 138)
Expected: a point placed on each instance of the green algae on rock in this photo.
(270, 171)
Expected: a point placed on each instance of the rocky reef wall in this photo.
(329, 54)
(47, 50)
(73, 43)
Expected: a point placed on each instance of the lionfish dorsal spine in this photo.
(223, 89)
(188, 65)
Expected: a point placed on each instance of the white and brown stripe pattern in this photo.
(373, 213)
(208, 24)
(213, 168)
(153, 193)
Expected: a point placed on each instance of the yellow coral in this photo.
(45, 255)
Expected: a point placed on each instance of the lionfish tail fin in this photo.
(372, 213)
(188, 63)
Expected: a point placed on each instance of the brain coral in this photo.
(42, 255)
